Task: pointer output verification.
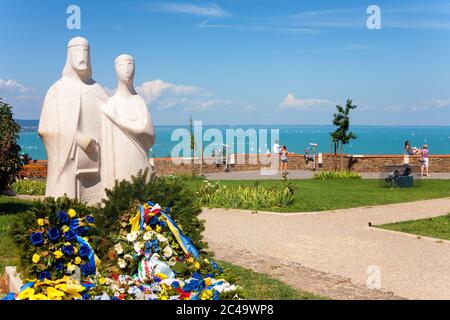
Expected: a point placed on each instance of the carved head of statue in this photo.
(124, 65)
(78, 59)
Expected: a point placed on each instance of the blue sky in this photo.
(242, 62)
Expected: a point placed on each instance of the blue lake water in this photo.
(371, 139)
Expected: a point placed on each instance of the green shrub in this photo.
(328, 175)
(29, 187)
(10, 160)
(168, 191)
(254, 197)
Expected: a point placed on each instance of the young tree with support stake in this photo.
(342, 135)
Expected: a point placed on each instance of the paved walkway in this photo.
(337, 244)
(295, 174)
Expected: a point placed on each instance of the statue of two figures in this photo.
(92, 140)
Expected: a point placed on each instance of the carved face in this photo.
(79, 58)
(125, 70)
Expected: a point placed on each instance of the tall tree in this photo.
(10, 159)
(342, 136)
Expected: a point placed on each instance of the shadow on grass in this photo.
(9, 205)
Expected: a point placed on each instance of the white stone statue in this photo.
(70, 128)
(127, 128)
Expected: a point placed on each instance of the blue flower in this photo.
(53, 234)
(59, 265)
(84, 251)
(45, 275)
(197, 275)
(68, 250)
(216, 295)
(154, 220)
(214, 265)
(86, 269)
(90, 219)
(63, 217)
(37, 239)
(88, 286)
(86, 296)
(70, 235)
(82, 231)
(175, 285)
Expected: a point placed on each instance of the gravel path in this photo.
(337, 244)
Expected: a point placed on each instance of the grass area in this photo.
(258, 286)
(8, 251)
(438, 227)
(10, 205)
(319, 195)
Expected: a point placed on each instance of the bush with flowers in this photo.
(151, 258)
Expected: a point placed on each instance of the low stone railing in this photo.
(356, 163)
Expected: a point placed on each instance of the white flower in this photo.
(168, 252)
(155, 256)
(172, 261)
(161, 238)
(121, 263)
(128, 257)
(138, 246)
(118, 248)
(132, 236)
(148, 235)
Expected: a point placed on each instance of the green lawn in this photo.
(262, 287)
(9, 205)
(319, 195)
(8, 251)
(438, 227)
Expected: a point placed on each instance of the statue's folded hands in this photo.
(85, 142)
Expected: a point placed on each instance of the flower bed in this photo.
(151, 260)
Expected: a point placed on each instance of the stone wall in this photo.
(364, 163)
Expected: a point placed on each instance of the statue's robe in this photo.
(128, 135)
(71, 171)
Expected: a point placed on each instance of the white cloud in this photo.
(209, 11)
(165, 95)
(291, 102)
(438, 103)
(12, 86)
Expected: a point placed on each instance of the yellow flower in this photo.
(38, 296)
(162, 276)
(75, 250)
(207, 282)
(58, 254)
(206, 260)
(36, 258)
(206, 295)
(65, 228)
(102, 281)
(72, 213)
(70, 267)
(197, 265)
(158, 229)
(54, 294)
(77, 260)
(148, 228)
(40, 222)
(25, 294)
(164, 298)
(190, 260)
